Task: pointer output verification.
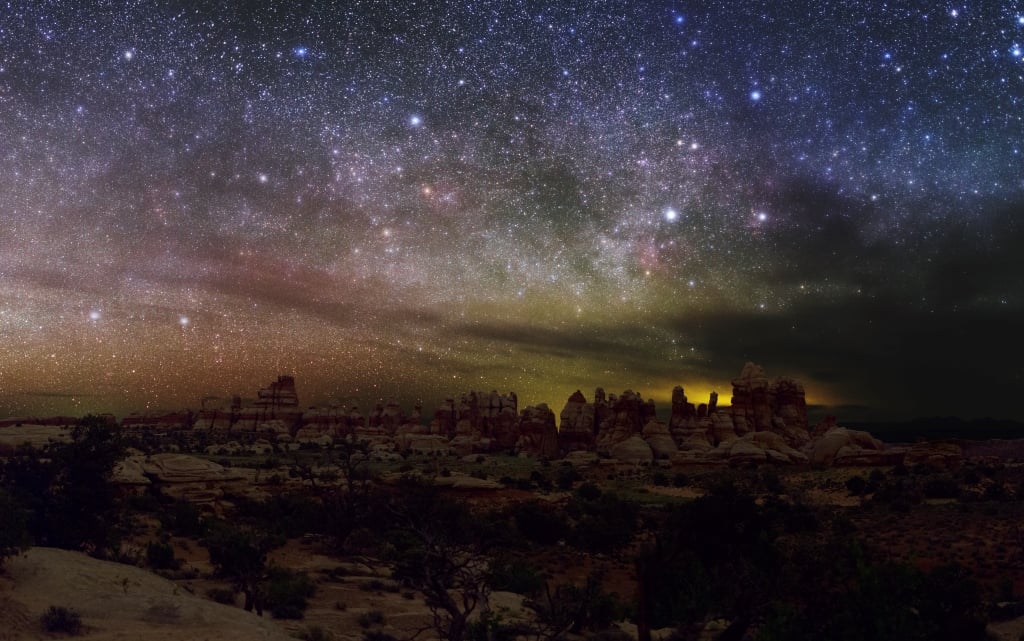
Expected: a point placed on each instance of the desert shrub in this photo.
(373, 585)
(493, 627)
(378, 635)
(13, 530)
(514, 575)
(183, 519)
(222, 596)
(60, 620)
(996, 491)
(287, 593)
(566, 476)
(315, 633)
(680, 480)
(659, 478)
(371, 617)
(856, 485)
(770, 481)
(941, 487)
(540, 480)
(539, 524)
(604, 524)
(160, 556)
(588, 492)
(65, 488)
(287, 515)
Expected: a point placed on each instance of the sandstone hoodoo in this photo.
(774, 410)
(765, 422)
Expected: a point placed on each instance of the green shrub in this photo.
(517, 576)
(941, 487)
(160, 556)
(856, 485)
(13, 529)
(539, 523)
(60, 620)
(566, 476)
(315, 633)
(287, 593)
(589, 492)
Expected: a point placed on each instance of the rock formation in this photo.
(537, 433)
(766, 422)
(577, 425)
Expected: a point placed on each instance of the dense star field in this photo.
(417, 199)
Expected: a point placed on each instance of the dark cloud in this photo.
(900, 360)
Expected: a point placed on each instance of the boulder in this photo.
(632, 450)
(841, 446)
(171, 468)
(659, 439)
(743, 452)
(428, 444)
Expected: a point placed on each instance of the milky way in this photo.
(417, 199)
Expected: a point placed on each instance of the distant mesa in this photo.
(765, 422)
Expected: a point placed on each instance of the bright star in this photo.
(300, 52)
(755, 95)
(183, 321)
(415, 121)
(671, 214)
(94, 315)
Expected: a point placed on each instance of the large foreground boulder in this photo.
(842, 446)
(117, 601)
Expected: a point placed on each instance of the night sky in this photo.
(417, 199)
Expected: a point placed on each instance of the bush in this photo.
(588, 492)
(541, 481)
(516, 576)
(659, 478)
(856, 485)
(60, 620)
(13, 529)
(680, 480)
(566, 476)
(182, 519)
(539, 524)
(378, 635)
(315, 633)
(160, 556)
(373, 617)
(942, 487)
(287, 593)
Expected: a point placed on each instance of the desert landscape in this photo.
(737, 521)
